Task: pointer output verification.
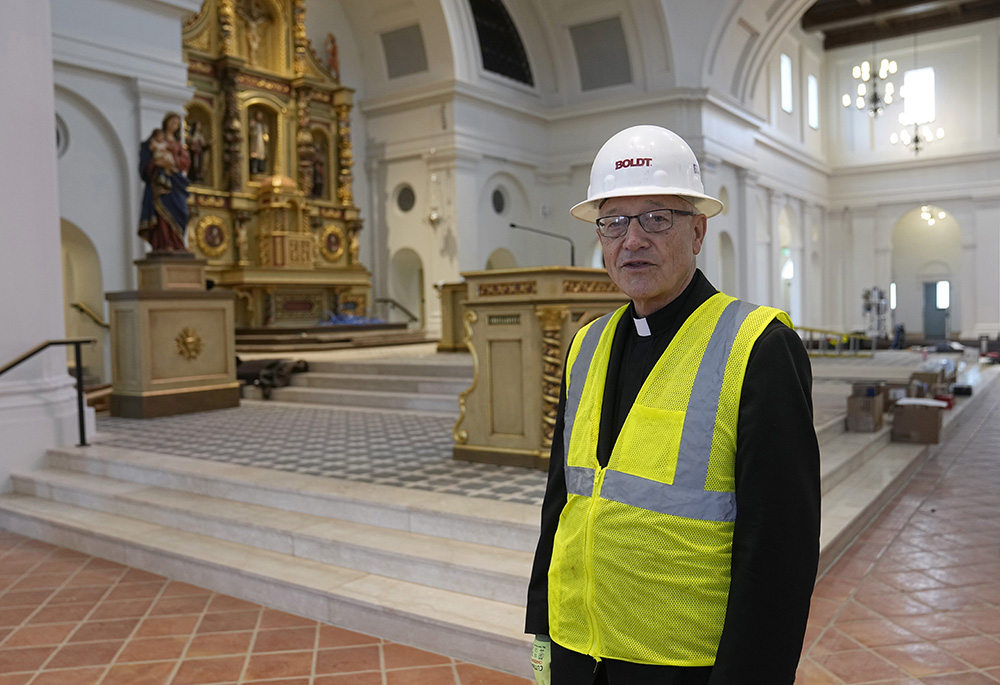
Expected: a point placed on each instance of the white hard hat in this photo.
(645, 160)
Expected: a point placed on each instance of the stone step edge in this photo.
(298, 533)
(380, 378)
(305, 587)
(449, 369)
(376, 394)
(506, 524)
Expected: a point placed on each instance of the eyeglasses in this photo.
(656, 221)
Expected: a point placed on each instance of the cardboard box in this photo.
(928, 377)
(864, 414)
(917, 420)
(865, 389)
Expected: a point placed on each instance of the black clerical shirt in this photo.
(776, 535)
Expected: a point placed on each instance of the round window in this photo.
(405, 198)
(499, 201)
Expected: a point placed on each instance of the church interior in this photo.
(376, 194)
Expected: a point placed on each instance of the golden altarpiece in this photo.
(271, 199)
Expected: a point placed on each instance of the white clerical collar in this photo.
(641, 327)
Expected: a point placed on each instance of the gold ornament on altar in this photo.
(331, 243)
(211, 236)
(189, 343)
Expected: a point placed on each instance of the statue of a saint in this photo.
(198, 147)
(163, 162)
(254, 14)
(260, 135)
(332, 58)
(319, 172)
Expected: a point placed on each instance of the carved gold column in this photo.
(551, 319)
(227, 27)
(304, 140)
(458, 434)
(232, 133)
(345, 192)
(299, 37)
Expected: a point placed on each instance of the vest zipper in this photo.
(594, 648)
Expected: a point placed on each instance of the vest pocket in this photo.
(648, 443)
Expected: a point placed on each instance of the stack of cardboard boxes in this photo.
(865, 407)
(916, 406)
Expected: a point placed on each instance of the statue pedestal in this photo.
(520, 323)
(172, 342)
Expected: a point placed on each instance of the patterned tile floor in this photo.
(402, 449)
(67, 618)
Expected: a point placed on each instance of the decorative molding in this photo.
(211, 236)
(189, 343)
(509, 288)
(551, 319)
(332, 243)
(462, 436)
(590, 287)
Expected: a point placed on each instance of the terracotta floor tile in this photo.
(157, 673)
(135, 575)
(167, 625)
(227, 603)
(220, 644)
(23, 678)
(272, 618)
(25, 598)
(332, 636)
(909, 581)
(935, 627)
(85, 654)
(348, 659)
(401, 656)
(23, 658)
(428, 675)
(129, 608)
(859, 667)
(877, 633)
(176, 588)
(92, 631)
(476, 675)
(153, 649)
(959, 576)
(948, 599)
(922, 659)
(986, 619)
(76, 676)
(36, 636)
(967, 678)
(39, 581)
(178, 605)
(833, 588)
(978, 650)
(895, 604)
(280, 681)
(229, 621)
(833, 641)
(279, 665)
(61, 613)
(78, 595)
(204, 671)
(368, 678)
(98, 577)
(14, 617)
(811, 673)
(285, 639)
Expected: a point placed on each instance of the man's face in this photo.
(652, 268)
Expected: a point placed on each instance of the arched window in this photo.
(499, 42)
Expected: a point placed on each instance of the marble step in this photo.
(480, 631)
(430, 385)
(370, 399)
(507, 525)
(468, 568)
(447, 366)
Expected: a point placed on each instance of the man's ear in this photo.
(700, 226)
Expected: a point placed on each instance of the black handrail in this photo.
(389, 300)
(572, 248)
(75, 342)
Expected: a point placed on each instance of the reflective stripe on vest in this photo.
(687, 495)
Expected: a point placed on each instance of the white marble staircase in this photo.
(418, 384)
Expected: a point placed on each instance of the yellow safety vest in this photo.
(642, 556)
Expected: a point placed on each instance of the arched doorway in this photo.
(789, 264)
(83, 302)
(406, 288)
(927, 271)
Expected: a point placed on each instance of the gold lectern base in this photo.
(532, 459)
(180, 402)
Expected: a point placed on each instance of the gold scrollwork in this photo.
(331, 243)
(462, 436)
(512, 288)
(551, 319)
(590, 287)
(189, 343)
(212, 236)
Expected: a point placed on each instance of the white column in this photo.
(982, 303)
(37, 400)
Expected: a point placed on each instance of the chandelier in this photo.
(868, 96)
(932, 214)
(921, 136)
